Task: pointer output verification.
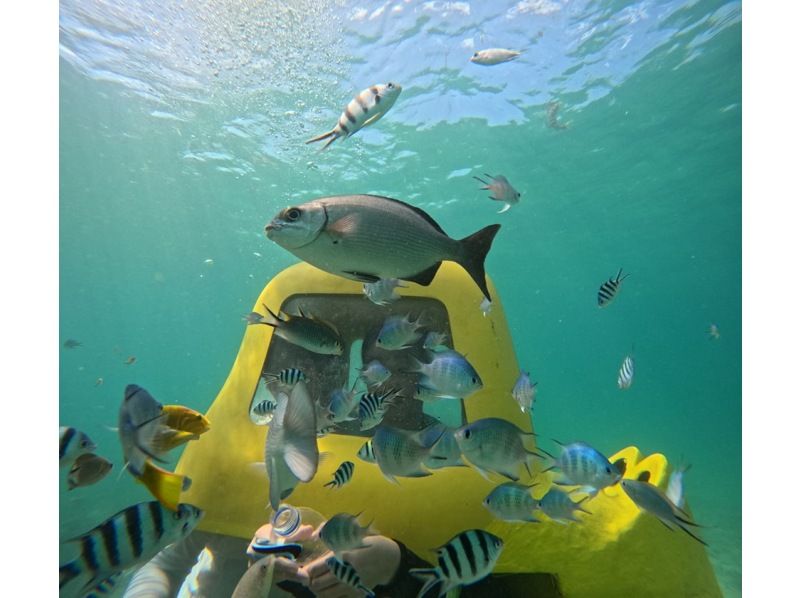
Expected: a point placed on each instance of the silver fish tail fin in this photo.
(333, 137)
(474, 251)
(431, 577)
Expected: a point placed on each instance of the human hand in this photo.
(376, 564)
(285, 569)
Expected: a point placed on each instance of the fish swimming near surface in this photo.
(345, 572)
(625, 376)
(401, 452)
(71, 343)
(449, 374)
(307, 332)
(88, 469)
(290, 452)
(501, 190)
(368, 237)
(583, 465)
(287, 377)
(397, 333)
(342, 475)
(130, 361)
(132, 536)
(98, 382)
(494, 444)
(343, 532)
(512, 502)
(609, 289)
(552, 116)
(372, 407)
(559, 507)
(382, 292)
(142, 425)
(192, 585)
(364, 109)
(675, 485)
(524, 392)
(713, 332)
(467, 558)
(492, 56)
(72, 444)
(652, 499)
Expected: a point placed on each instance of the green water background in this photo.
(646, 177)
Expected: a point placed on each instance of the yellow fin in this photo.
(168, 439)
(186, 419)
(162, 484)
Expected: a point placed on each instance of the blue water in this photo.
(181, 135)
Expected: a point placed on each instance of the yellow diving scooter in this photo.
(617, 550)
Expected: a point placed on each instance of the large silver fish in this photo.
(653, 500)
(368, 237)
(364, 109)
(492, 56)
(290, 452)
(132, 536)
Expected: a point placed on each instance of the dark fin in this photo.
(693, 536)
(480, 180)
(363, 276)
(421, 213)
(426, 276)
(621, 465)
(475, 247)
(277, 318)
(323, 136)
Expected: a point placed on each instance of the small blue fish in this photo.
(583, 465)
(609, 289)
(512, 502)
(382, 292)
(398, 332)
(435, 341)
(449, 374)
(559, 507)
(374, 373)
(401, 452)
(494, 444)
(341, 405)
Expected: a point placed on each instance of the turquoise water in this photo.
(181, 135)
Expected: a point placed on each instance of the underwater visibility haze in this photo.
(608, 149)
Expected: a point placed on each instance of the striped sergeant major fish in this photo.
(345, 572)
(367, 452)
(364, 109)
(132, 536)
(625, 377)
(608, 290)
(72, 444)
(287, 377)
(373, 406)
(468, 557)
(342, 475)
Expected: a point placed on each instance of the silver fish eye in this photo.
(390, 85)
(475, 55)
(467, 433)
(293, 214)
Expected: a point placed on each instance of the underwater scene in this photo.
(400, 298)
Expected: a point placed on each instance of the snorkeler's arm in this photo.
(403, 583)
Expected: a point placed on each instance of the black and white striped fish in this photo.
(287, 377)
(468, 557)
(367, 452)
(134, 535)
(265, 408)
(373, 406)
(364, 109)
(625, 377)
(72, 443)
(608, 290)
(346, 573)
(342, 475)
